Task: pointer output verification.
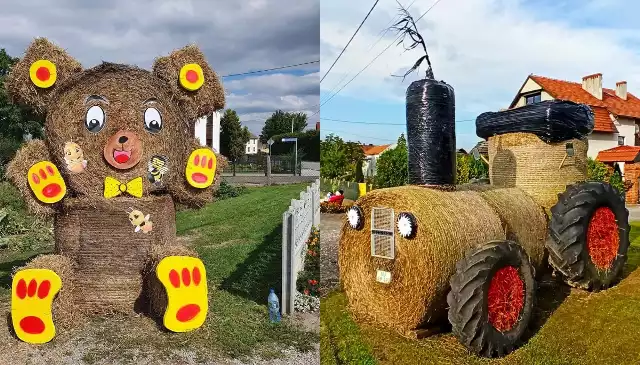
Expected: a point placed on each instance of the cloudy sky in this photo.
(485, 49)
(236, 37)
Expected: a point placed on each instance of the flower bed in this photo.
(308, 279)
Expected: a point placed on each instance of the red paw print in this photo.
(189, 311)
(32, 324)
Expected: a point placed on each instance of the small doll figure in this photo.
(74, 157)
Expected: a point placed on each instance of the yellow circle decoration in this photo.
(43, 73)
(191, 76)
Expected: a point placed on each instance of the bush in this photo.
(392, 167)
(20, 230)
(598, 171)
(227, 190)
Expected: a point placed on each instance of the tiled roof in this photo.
(619, 154)
(602, 120)
(374, 150)
(482, 147)
(573, 91)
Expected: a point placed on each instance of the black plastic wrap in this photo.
(552, 121)
(431, 133)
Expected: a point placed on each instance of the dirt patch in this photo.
(329, 242)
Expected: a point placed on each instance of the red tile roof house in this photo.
(617, 115)
(371, 154)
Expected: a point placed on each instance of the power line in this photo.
(378, 123)
(384, 33)
(273, 69)
(348, 43)
(375, 58)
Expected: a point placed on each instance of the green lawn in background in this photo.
(569, 327)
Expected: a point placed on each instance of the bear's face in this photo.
(117, 130)
(117, 126)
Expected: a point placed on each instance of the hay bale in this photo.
(20, 87)
(31, 152)
(525, 161)
(208, 98)
(422, 266)
(154, 290)
(65, 313)
(449, 224)
(110, 260)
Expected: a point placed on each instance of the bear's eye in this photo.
(152, 120)
(95, 119)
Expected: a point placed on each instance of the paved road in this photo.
(330, 225)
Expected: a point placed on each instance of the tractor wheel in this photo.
(491, 298)
(589, 235)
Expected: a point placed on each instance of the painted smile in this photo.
(121, 156)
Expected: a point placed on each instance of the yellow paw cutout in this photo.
(201, 168)
(32, 293)
(46, 182)
(185, 280)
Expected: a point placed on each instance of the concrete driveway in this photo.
(634, 212)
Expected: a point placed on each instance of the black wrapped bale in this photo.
(431, 133)
(552, 121)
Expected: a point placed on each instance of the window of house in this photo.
(620, 140)
(533, 98)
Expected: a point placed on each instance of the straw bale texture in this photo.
(208, 98)
(156, 293)
(19, 84)
(110, 256)
(449, 223)
(525, 161)
(30, 153)
(64, 313)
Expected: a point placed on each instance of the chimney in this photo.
(317, 126)
(593, 85)
(621, 90)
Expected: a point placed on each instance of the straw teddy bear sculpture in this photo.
(119, 152)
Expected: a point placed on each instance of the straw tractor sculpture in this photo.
(412, 257)
(119, 151)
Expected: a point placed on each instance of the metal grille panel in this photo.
(382, 233)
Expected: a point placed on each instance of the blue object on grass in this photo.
(274, 307)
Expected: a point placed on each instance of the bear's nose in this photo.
(123, 139)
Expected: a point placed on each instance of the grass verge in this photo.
(569, 327)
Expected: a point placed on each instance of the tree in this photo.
(16, 121)
(233, 137)
(598, 171)
(392, 167)
(338, 159)
(280, 123)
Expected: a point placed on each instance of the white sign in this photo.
(383, 277)
(270, 141)
(290, 139)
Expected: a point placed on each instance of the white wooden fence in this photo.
(297, 221)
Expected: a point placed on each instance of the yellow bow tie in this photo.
(113, 187)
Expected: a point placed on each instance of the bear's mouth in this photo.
(121, 156)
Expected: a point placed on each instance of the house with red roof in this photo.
(371, 154)
(616, 116)
(616, 111)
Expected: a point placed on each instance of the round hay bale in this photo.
(155, 293)
(540, 169)
(64, 311)
(420, 271)
(449, 224)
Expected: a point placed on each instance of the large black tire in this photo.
(567, 243)
(469, 298)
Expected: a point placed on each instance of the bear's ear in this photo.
(39, 73)
(192, 79)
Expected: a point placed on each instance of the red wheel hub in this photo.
(602, 238)
(505, 298)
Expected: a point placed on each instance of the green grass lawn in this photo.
(569, 327)
(239, 240)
